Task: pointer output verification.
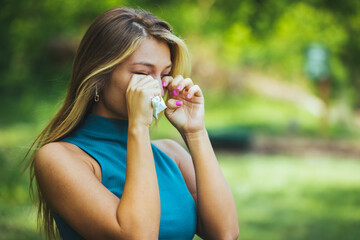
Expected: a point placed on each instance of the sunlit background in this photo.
(280, 79)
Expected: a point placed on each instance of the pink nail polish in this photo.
(178, 87)
(179, 103)
(188, 95)
(175, 93)
(163, 83)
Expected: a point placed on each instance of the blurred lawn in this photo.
(277, 197)
(282, 197)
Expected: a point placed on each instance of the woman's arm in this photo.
(139, 207)
(71, 189)
(67, 182)
(140, 204)
(224, 227)
(216, 207)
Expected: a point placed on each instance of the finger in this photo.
(184, 84)
(151, 89)
(135, 78)
(194, 91)
(166, 80)
(146, 80)
(147, 85)
(175, 82)
(150, 83)
(173, 85)
(138, 80)
(173, 104)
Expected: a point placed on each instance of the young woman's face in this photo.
(152, 58)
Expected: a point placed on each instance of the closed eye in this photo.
(165, 75)
(140, 73)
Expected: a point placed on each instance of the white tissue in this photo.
(158, 105)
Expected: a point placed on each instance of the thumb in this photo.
(174, 104)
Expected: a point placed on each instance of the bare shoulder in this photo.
(57, 159)
(173, 149)
(51, 148)
(67, 182)
(48, 154)
(57, 154)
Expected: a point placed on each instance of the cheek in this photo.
(118, 84)
(115, 91)
(114, 94)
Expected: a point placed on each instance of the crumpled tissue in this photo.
(158, 105)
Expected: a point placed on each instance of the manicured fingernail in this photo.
(175, 93)
(178, 87)
(188, 95)
(179, 103)
(164, 83)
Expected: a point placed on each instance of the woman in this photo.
(98, 175)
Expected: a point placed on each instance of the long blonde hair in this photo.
(110, 39)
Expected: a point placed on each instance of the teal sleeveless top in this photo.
(105, 140)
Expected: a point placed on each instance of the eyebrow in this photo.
(149, 64)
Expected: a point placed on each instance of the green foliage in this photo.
(40, 38)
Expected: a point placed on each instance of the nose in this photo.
(157, 77)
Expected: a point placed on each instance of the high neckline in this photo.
(104, 126)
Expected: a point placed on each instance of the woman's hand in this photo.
(139, 93)
(185, 105)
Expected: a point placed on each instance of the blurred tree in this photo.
(39, 38)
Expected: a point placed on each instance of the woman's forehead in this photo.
(151, 52)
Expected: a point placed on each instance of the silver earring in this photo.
(97, 97)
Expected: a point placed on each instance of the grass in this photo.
(282, 197)
(277, 197)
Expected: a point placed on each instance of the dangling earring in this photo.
(97, 97)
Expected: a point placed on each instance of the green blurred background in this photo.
(293, 166)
